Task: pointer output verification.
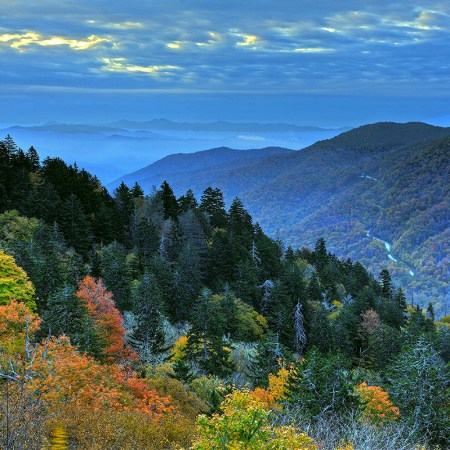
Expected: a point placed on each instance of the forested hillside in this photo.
(378, 194)
(132, 321)
(182, 167)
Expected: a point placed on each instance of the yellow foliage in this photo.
(180, 348)
(278, 383)
(276, 391)
(244, 424)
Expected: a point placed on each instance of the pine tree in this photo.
(213, 204)
(205, 340)
(75, 224)
(146, 241)
(123, 198)
(148, 335)
(386, 283)
(271, 355)
(114, 274)
(321, 385)
(67, 315)
(169, 201)
(188, 202)
(136, 191)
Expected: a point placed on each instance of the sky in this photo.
(324, 63)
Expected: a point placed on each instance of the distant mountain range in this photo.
(221, 126)
(379, 194)
(109, 150)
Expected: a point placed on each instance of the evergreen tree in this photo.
(386, 283)
(169, 201)
(320, 254)
(419, 384)
(205, 340)
(187, 281)
(136, 191)
(67, 315)
(188, 202)
(147, 335)
(321, 335)
(271, 355)
(114, 274)
(321, 385)
(213, 204)
(147, 241)
(75, 225)
(123, 198)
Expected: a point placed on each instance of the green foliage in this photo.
(147, 335)
(419, 382)
(205, 339)
(321, 384)
(67, 315)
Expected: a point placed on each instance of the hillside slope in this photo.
(378, 193)
(186, 166)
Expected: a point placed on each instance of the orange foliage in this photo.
(276, 390)
(376, 406)
(106, 317)
(65, 377)
(265, 397)
(13, 320)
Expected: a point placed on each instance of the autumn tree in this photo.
(66, 378)
(14, 282)
(105, 316)
(376, 407)
(245, 424)
(17, 325)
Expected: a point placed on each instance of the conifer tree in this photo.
(169, 201)
(205, 340)
(148, 335)
(213, 204)
(419, 383)
(188, 202)
(67, 315)
(75, 225)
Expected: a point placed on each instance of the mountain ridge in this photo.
(387, 178)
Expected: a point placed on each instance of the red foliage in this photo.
(106, 317)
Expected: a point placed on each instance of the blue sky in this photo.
(300, 61)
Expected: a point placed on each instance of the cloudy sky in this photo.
(301, 61)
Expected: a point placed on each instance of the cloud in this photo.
(121, 65)
(19, 41)
(342, 47)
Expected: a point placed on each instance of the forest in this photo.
(132, 321)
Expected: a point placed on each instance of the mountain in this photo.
(379, 193)
(183, 167)
(221, 126)
(110, 150)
